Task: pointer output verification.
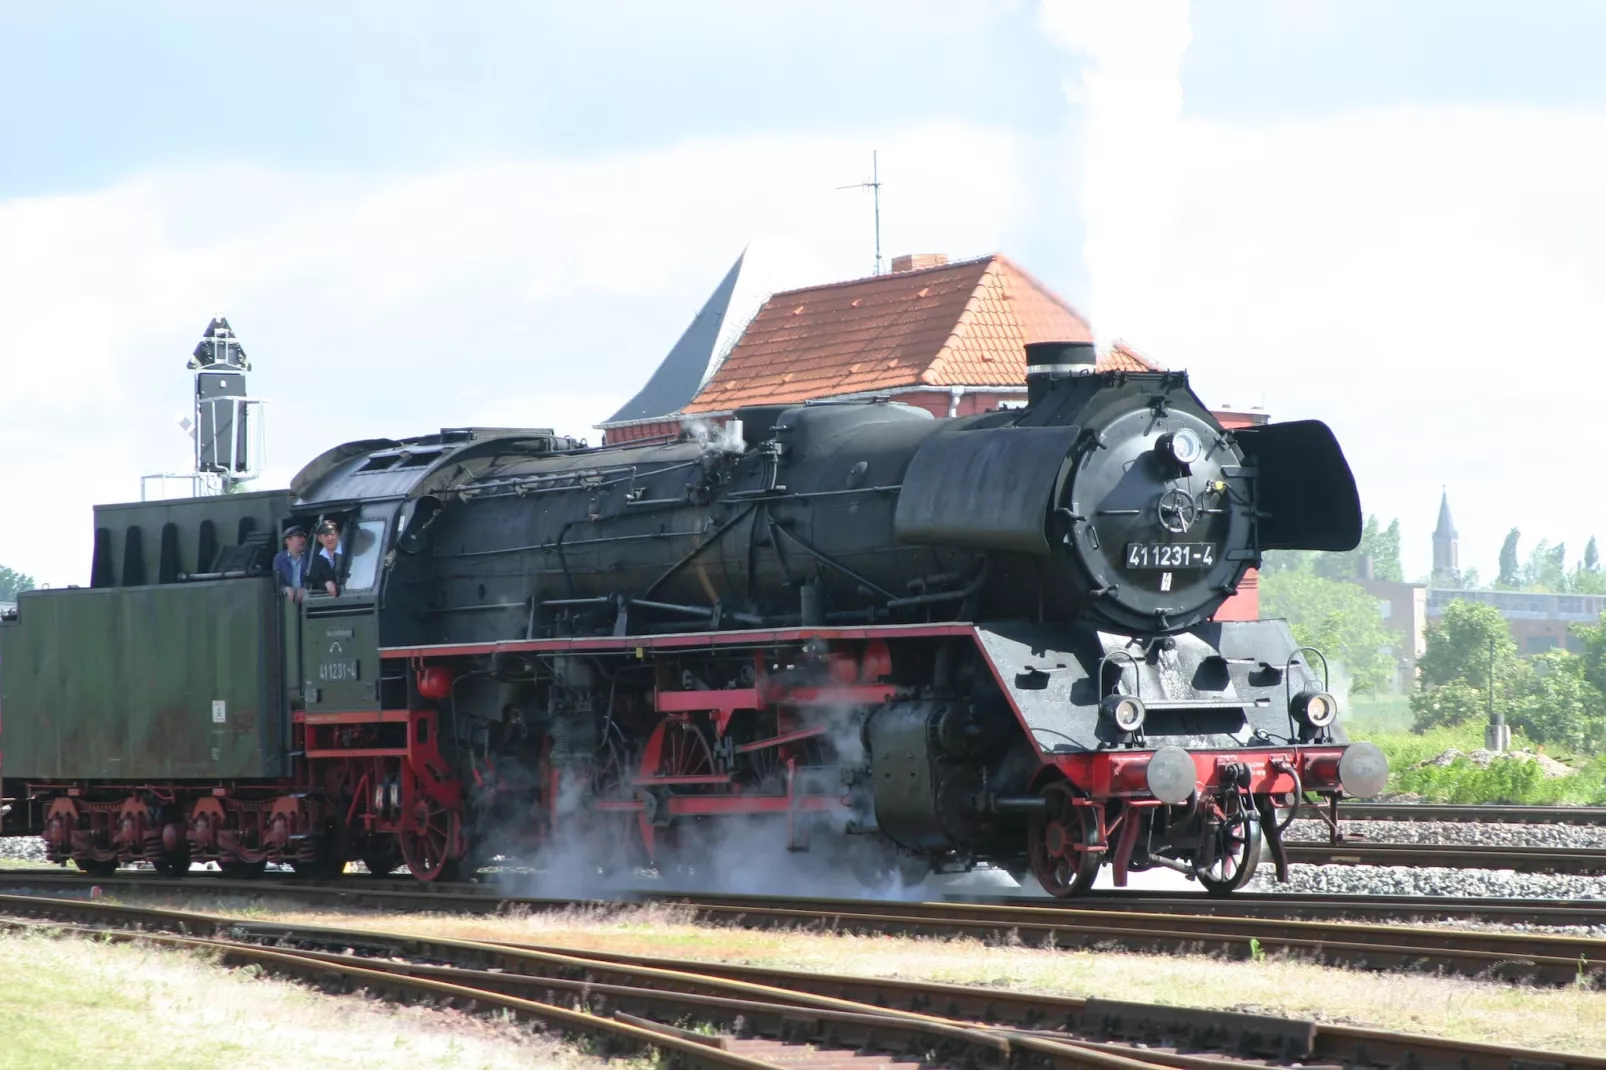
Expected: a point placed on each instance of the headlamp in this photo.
(1185, 446)
(1318, 709)
(1125, 711)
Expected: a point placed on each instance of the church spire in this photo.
(1446, 528)
(1446, 572)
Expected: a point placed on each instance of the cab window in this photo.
(367, 547)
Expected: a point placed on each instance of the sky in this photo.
(1384, 216)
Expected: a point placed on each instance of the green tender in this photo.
(172, 682)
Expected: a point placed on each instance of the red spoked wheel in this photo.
(1053, 836)
(429, 835)
(683, 751)
(1237, 845)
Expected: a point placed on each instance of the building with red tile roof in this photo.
(919, 331)
(948, 337)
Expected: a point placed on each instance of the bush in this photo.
(1511, 781)
(1453, 704)
(1460, 643)
(1560, 707)
(1506, 780)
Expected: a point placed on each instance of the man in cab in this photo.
(290, 564)
(324, 575)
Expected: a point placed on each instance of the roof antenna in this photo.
(874, 186)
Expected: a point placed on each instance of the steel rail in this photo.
(1559, 958)
(1485, 813)
(791, 1029)
(795, 1006)
(614, 1032)
(1049, 1015)
(491, 897)
(1569, 860)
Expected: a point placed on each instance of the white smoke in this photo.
(727, 437)
(730, 854)
(1127, 93)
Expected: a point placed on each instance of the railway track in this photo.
(720, 1015)
(1470, 813)
(1165, 924)
(1576, 861)
(404, 896)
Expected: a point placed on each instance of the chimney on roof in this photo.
(917, 261)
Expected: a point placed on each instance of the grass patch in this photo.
(71, 1002)
(1463, 781)
(1511, 782)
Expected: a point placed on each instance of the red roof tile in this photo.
(1123, 358)
(961, 324)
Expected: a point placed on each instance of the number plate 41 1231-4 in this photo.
(336, 672)
(1174, 555)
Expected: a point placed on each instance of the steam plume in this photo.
(1128, 94)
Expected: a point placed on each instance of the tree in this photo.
(11, 582)
(1560, 705)
(1447, 706)
(1509, 573)
(1458, 647)
(1584, 581)
(1546, 569)
(1455, 669)
(1591, 556)
(1381, 545)
(1385, 551)
(1593, 657)
(1339, 619)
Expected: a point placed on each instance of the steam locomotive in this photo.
(893, 642)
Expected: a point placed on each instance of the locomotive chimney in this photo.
(1047, 361)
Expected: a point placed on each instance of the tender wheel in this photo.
(1052, 838)
(96, 867)
(1238, 845)
(176, 864)
(174, 860)
(428, 835)
(235, 869)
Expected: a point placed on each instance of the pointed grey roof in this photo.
(1446, 528)
(690, 362)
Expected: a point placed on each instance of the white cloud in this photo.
(533, 291)
(1430, 282)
